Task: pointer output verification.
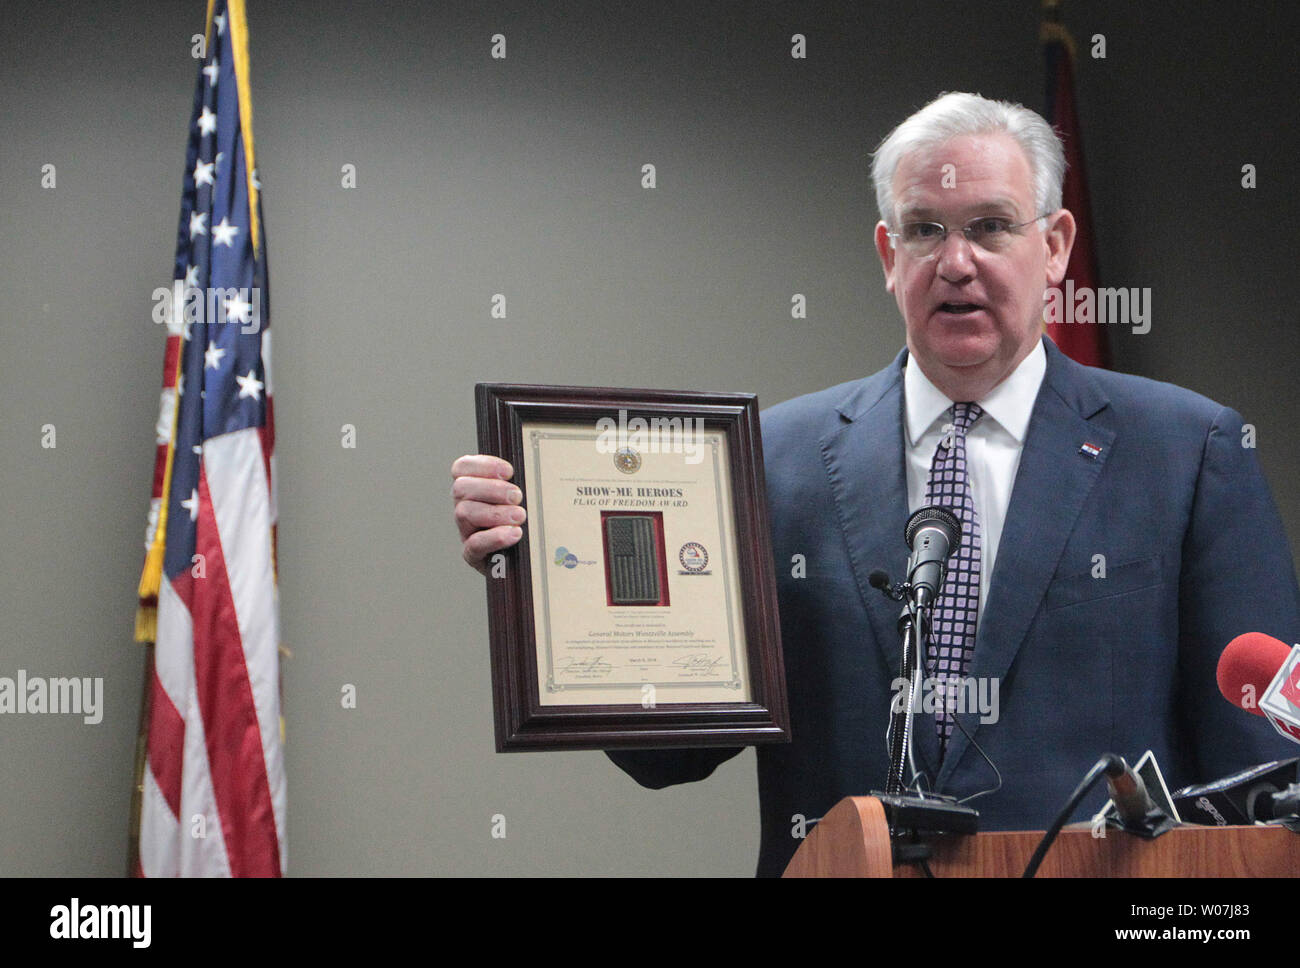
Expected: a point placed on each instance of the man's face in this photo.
(972, 314)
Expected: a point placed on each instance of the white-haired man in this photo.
(1113, 527)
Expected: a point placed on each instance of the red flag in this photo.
(1085, 342)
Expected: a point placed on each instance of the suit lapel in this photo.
(864, 460)
(1056, 474)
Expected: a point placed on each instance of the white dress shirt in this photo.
(993, 445)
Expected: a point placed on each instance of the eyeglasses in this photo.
(993, 233)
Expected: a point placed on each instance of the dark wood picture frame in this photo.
(522, 721)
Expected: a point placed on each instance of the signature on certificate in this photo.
(700, 662)
(593, 667)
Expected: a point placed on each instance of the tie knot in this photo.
(965, 414)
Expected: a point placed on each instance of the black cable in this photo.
(996, 772)
(1109, 761)
(971, 739)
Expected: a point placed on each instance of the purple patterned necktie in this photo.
(952, 637)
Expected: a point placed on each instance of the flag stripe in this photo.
(173, 676)
(202, 840)
(173, 660)
(193, 831)
(158, 833)
(226, 704)
(236, 469)
(171, 361)
(166, 745)
(266, 441)
(159, 468)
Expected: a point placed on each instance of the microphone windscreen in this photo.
(934, 516)
(1247, 666)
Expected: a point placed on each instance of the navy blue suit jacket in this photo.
(1194, 554)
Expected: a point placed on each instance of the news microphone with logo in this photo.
(1261, 675)
(1262, 793)
(933, 534)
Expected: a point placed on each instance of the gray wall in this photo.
(478, 176)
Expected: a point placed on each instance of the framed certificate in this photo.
(639, 609)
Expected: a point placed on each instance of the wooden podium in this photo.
(853, 841)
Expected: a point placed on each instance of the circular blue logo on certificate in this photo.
(694, 557)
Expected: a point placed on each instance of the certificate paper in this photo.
(637, 596)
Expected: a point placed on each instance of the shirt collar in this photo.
(1010, 403)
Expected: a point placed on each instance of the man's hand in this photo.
(487, 508)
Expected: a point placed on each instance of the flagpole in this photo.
(141, 755)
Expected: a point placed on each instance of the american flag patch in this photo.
(1090, 450)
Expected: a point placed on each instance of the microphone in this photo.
(1277, 804)
(1261, 675)
(932, 535)
(1262, 793)
(1127, 792)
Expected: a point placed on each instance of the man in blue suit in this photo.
(1125, 531)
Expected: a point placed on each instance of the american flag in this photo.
(210, 770)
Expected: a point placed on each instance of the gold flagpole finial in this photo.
(1052, 30)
